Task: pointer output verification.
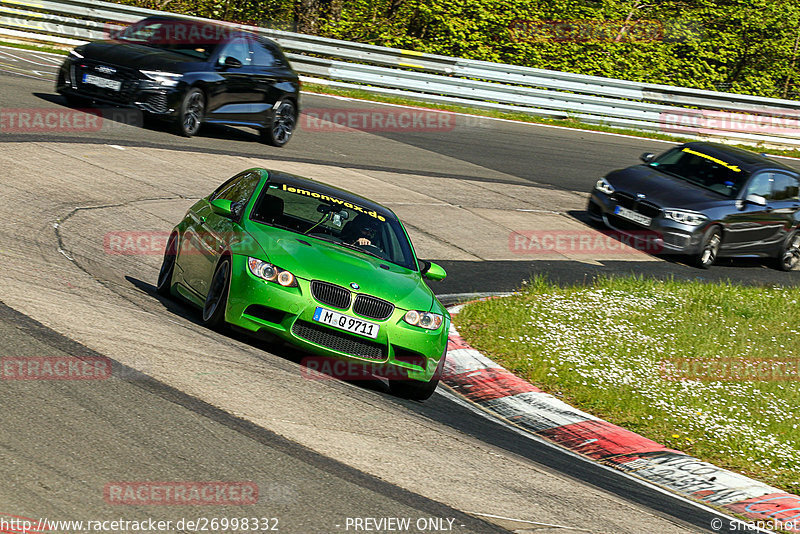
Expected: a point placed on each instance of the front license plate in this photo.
(631, 215)
(347, 323)
(99, 81)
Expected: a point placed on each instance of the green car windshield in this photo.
(701, 169)
(335, 220)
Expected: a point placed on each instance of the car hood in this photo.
(314, 259)
(136, 56)
(663, 189)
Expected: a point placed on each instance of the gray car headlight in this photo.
(692, 218)
(603, 186)
(167, 79)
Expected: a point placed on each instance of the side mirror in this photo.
(647, 157)
(758, 200)
(232, 63)
(223, 207)
(432, 271)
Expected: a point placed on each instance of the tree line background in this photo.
(742, 46)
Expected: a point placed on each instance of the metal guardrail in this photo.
(450, 80)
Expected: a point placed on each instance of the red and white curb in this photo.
(503, 394)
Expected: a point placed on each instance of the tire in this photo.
(414, 390)
(710, 248)
(75, 101)
(217, 297)
(284, 120)
(594, 223)
(789, 257)
(164, 284)
(192, 111)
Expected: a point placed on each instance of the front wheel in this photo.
(75, 101)
(710, 249)
(192, 110)
(167, 267)
(790, 253)
(217, 297)
(414, 390)
(281, 128)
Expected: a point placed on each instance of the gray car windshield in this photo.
(336, 220)
(701, 169)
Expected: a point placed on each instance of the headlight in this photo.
(75, 54)
(167, 79)
(270, 273)
(603, 186)
(692, 218)
(422, 319)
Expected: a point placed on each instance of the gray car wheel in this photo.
(284, 121)
(191, 113)
(790, 252)
(710, 249)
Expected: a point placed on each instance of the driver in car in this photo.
(361, 231)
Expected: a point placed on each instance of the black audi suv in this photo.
(188, 72)
(706, 200)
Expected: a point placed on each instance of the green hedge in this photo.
(743, 46)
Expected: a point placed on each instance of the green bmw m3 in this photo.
(321, 268)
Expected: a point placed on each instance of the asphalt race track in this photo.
(187, 404)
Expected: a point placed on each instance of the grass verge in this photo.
(520, 117)
(36, 48)
(678, 362)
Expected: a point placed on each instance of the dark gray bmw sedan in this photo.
(705, 200)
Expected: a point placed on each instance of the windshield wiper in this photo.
(276, 225)
(679, 176)
(665, 171)
(356, 247)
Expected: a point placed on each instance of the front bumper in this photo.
(663, 235)
(136, 90)
(262, 307)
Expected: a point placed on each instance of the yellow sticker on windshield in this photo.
(333, 200)
(734, 168)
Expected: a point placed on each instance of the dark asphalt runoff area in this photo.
(84, 436)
